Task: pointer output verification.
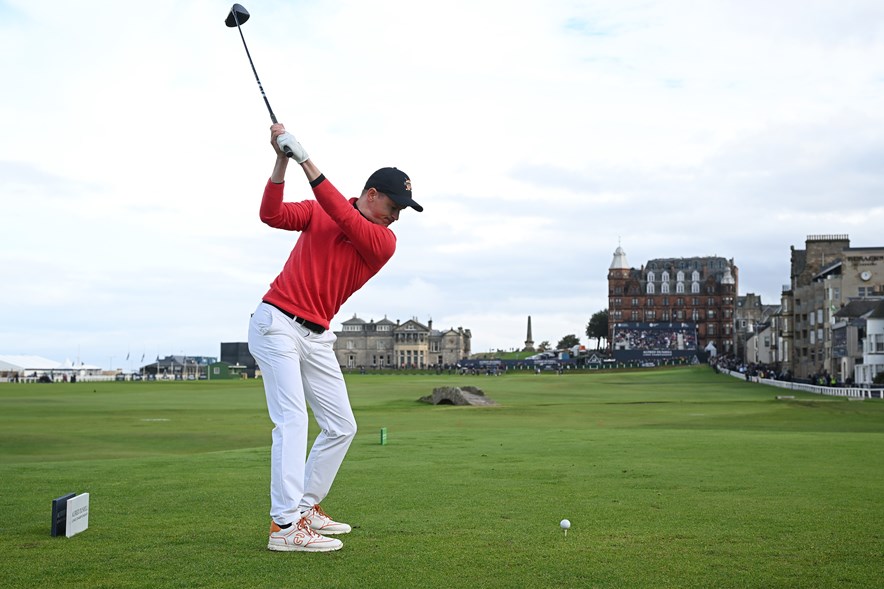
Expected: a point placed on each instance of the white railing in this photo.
(852, 392)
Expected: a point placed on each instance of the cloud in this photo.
(538, 138)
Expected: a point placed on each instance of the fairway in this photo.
(671, 478)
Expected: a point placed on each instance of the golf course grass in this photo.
(670, 477)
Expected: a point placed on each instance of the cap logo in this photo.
(408, 184)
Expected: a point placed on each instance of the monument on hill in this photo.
(529, 342)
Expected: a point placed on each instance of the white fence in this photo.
(852, 392)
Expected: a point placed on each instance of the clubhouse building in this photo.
(387, 344)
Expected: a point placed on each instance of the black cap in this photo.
(394, 183)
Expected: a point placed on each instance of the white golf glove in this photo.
(292, 148)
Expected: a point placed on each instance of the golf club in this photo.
(238, 16)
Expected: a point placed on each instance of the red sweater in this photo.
(337, 252)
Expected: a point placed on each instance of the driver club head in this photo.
(238, 15)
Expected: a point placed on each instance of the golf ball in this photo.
(565, 524)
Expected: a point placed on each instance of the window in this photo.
(695, 276)
(635, 302)
(679, 287)
(680, 276)
(650, 288)
(665, 301)
(664, 288)
(634, 315)
(695, 314)
(665, 276)
(351, 344)
(695, 287)
(650, 277)
(352, 328)
(650, 315)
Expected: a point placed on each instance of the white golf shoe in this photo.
(322, 523)
(300, 537)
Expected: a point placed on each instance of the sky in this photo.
(539, 136)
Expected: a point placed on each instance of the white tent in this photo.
(27, 367)
(27, 364)
(713, 351)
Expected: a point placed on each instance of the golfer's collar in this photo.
(358, 211)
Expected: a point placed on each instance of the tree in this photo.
(544, 346)
(568, 342)
(597, 328)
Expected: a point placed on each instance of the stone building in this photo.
(699, 292)
(873, 347)
(825, 276)
(758, 348)
(751, 317)
(385, 344)
(849, 327)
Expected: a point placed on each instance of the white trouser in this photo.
(300, 367)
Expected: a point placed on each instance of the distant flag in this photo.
(127, 356)
(142, 357)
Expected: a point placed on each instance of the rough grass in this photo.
(671, 478)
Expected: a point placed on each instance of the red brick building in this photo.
(693, 295)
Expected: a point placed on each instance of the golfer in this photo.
(342, 243)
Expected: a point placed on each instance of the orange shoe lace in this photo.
(302, 525)
(318, 510)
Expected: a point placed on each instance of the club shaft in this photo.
(286, 149)
(254, 71)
